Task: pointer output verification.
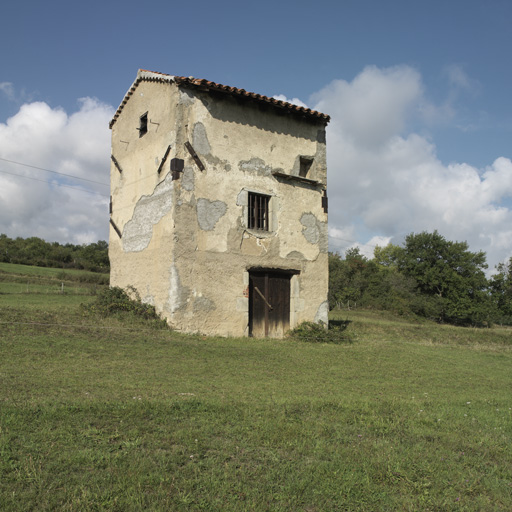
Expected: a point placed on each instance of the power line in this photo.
(106, 184)
(353, 241)
(50, 183)
(54, 172)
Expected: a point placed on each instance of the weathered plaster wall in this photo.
(240, 147)
(185, 244)
(143, 199)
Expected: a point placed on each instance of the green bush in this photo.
(116, 302)
(311, 332)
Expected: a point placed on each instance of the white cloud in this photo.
(8, 89)
(385, 180)
(460, 80)
(294, 101)
(13, 95)
(374, 106)
(342, 239)
(459, 85)
(38, 203)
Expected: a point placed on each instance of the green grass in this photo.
(384, 326)
(34, 288)
(58, 273)
(111, 414)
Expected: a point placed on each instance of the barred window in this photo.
(258, 211)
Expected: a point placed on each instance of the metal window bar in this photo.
(258, 211)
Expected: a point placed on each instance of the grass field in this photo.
(113, 414)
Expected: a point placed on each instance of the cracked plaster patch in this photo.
(256, 165)
(187, 181)
(148, 211)
(178, 294)
(209, 213)
(310, 230)
(315, 231)
(200, 139)
(173, 302)
(295, 255)
(203, 304)
(242, 198)
(186, 97)
(322, 314)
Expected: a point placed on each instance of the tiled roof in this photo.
(206, 85)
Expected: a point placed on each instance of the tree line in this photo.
(38, 252)
(427, 276)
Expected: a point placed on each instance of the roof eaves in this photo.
(142, 75)
(289, 107)
(206, 85)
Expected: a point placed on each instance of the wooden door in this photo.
(269, 303)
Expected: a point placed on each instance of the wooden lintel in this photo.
(116, 229)
(168, 150)
(116, 163)
(295, 178)
(194, 155)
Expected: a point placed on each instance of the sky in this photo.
(418, 94)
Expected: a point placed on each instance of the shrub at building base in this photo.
(115, 302)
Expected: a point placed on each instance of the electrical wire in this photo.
(53, 183)
(106, 184)
(54, 172)
(354, 241)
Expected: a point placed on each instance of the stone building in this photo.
(219, 206)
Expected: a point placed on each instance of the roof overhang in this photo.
(206, 85)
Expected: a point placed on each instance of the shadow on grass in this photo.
(341, 325)
(315, 333)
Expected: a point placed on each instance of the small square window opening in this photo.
(258, 211)
(305, 166)
(143, 124)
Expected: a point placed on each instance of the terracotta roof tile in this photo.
(152, 76)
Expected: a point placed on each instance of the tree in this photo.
(93, 256)
(35, 251)
(350, 277)
(7, 248)
(338, 280)
(388, 256)
(429, 276)
(501, 290)
(362, 281)
(451, 275)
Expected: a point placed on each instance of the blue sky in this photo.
(418, 93)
